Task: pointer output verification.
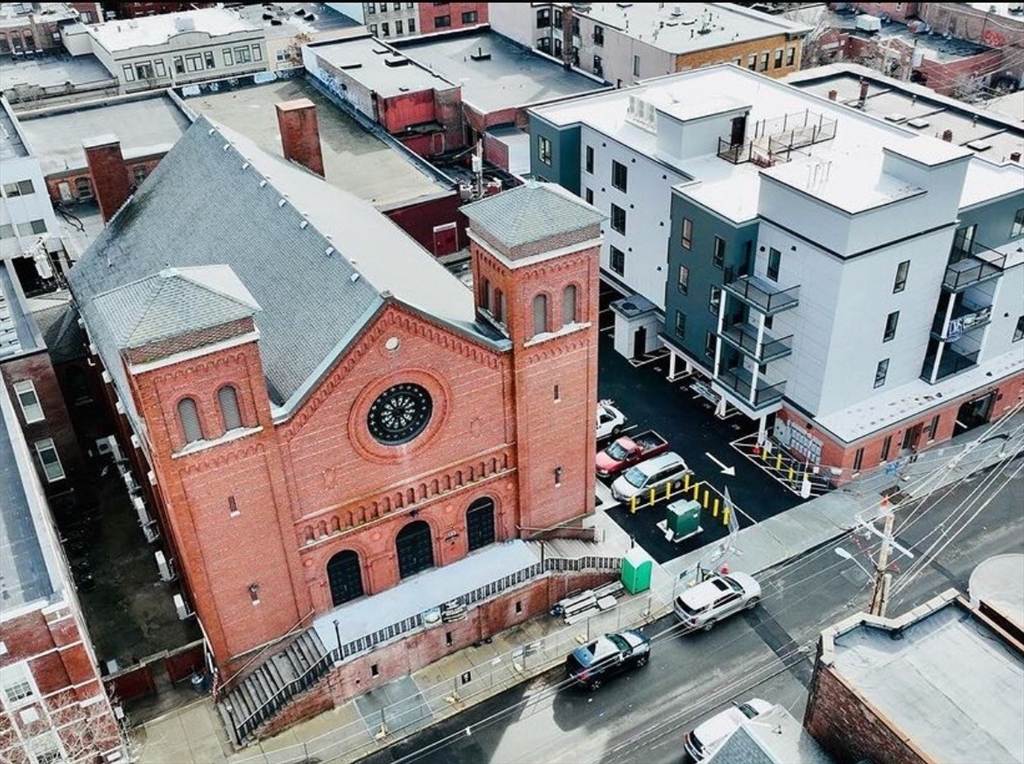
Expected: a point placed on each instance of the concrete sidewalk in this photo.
(195, 734)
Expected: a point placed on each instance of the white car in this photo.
(704, 740)
(707, 603)
(609, 420)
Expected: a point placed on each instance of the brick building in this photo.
(53, 706)
(350, 408)
(402, 20)
(943, 682)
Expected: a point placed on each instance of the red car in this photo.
(627, 451)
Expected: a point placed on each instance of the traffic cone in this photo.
(724, 570)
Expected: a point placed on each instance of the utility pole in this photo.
(883, 579)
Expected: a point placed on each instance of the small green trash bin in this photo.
(637, 568)
(682, 518)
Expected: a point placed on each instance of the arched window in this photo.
(485, 294)
(480, 523)
(415, 549)
(540, 314)
(569, 305)
(229, 413)
(188, 415)
(345, 576)
(498, 311)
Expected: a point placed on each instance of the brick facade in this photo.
(300, 134)
(431, 15)
(110, 181)
(727, 54)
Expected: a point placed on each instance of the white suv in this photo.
(609, 420)
(656, 472)
(707, 603)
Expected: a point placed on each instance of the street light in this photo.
(847, 556)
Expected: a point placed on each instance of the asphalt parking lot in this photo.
(688, 422)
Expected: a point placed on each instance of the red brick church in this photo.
(341, 439)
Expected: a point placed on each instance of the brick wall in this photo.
(420, 218)
(430, 12)
(726, 54)
(63, 184)
(895, 11)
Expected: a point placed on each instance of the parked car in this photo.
(609, 420)
(629, 450)
(707, 603)
(591, 665)
(656, 472)
(705, 739)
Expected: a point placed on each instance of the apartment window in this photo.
(194, 63)
(618, 219)
(858, 459)
(589, 154)
(619, 175)
(636, 66)
(886, 448)
(398, 27)
(718, 253)
(31, 227)
(257, 53)
(598, 35)
(242, 56)
(21, 188)
(25, 392)
(48, 457)
(764, 61)
(778, 58)
(160, 68)
(6, 230)
(769, 321)
(891, 321)
(680, 324)
(544, 149)
(499, 306)
(188, 416)
(412, 26)
(881, 371)
(752, 61)
(144, 71)
(441, 22)
(179, 64)
(540, 314)
(139, 174)
(569, 305)
(1018, 332)
(373, 30)
(543, 18)
(83, 188)
(1018, 224)
(687, 238)
(557, 19)
(791, 56)
(709, 345)
(963, 241)
(715, 301)
(469, 17)
(16, 684)
(485, 294)
(396, 6)
(774, 261)
(371, 7)
(588, 194)
(410, 6)
(617, 259)
(229, 412)
(385, 29)
(683, 284)
(900, 283)
(129, 73)
(933, 427)
(598, 66)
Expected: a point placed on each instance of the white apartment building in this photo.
(856, 286)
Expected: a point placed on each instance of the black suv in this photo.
(611, 654)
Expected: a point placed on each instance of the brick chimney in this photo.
(947, 136)
(109, 173)
(863, 93)
(833, 94)
(300, 134)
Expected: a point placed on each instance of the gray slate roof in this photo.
(318, 261)
(531, 213)
(175, 301)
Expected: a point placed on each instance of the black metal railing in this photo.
(969, 266)
(772, 140)
(952, 362)
(965, 318)
(762, 295)
(741, 383)
(744, 337)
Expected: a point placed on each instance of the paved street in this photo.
(764, 653)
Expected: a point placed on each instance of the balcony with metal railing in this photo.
(743, 336)
(952, 360)
(763, 295)
(965, 318)
(739, 384)
(773, 140)
(971, 266)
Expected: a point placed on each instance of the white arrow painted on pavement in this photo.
(725, 470)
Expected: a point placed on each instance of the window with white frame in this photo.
(257, 53)
(16, 685)
(48, 457)
(544, 150)
(242, 56)
(229, 59)
(25, 391)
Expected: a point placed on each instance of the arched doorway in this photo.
(345, 575)
(415, 549)
(480, 523)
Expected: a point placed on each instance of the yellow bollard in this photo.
(686, 482)
(725, 516)
(714, 510)
(707, 496)
(764, 454)
(778, 461)
(650, 497)
(632, 505)
(668, 491)
(696, 490)
(791, 471)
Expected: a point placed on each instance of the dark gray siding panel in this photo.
(565, 154)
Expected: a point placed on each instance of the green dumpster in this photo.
(636, 571)
(682, 519)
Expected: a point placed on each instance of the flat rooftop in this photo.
(51, 71)
(149, 31)
(987, 131)
(934, 45)
(354, 159)
(380, 68)
(11, 145)
(688, 27)
(291, 19)
(949, 683)
(733, 190)
(1007, 10)
(512, 77)
(145, 126)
